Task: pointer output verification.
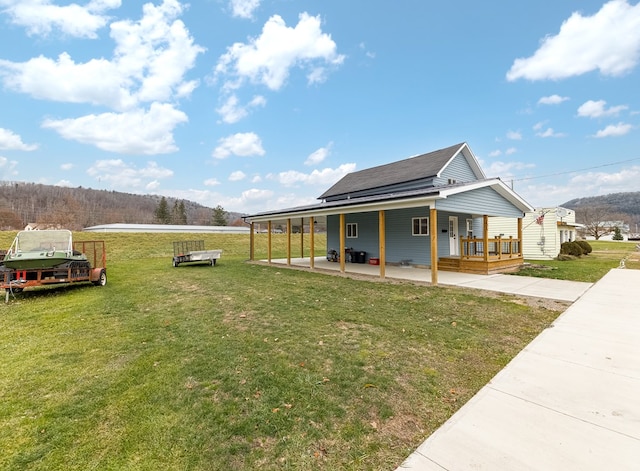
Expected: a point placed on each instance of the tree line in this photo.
(77, 208)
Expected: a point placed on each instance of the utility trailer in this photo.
(92, 270)
(188, 251)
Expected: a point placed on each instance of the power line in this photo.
(575, 171)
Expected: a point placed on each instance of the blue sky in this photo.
(264, 104)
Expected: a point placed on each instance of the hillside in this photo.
(619, 203)
(76, 208)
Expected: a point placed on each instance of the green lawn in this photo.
(241, 365)
(605, 256)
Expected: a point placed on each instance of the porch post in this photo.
(520, 248)
(289, 241)
(341, 253)
(312, 251)
(302, 237)
(269, 242)
(485, 236)
(433, 235)
(251, 242)
(382, 242)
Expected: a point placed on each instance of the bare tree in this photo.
(597, 220)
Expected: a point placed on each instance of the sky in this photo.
(258, 105)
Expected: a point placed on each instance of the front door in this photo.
(454, 246)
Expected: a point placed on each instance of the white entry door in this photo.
(454, 245)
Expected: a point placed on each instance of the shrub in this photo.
(586, 246)
(571, 248)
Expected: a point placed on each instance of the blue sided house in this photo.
(430, 211)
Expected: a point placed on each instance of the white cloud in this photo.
(237, 176)
(514, 135)
(601, 183)
(495, 153)
(552, 100)
(211, 182)
(269, 58)
(7, 168)
(65, 183)
(119, 174)
(549, 132)
(67, 166)
(11, 141)
(40, 17)
(244, 8)
(152, 186)
(246, 144)
(136, 132)
(511, 150)
(150, 60)
(232, 112)
(319, 155)
(327, 176)
(597, 109)
(608, 41)
(506, 169)
(614, 130)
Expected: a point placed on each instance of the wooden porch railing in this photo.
(490, 249)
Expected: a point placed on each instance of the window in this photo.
(469, 228)
(352, 230)
(420, 226)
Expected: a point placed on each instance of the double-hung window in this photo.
(420, 226)
(352, 230)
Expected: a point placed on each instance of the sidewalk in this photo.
(569, 401)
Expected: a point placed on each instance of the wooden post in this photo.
(342, 244)
(520, 241)
(312, 255)
(269, 242)
(433, 236)
(485, 236)
(382, 242)
(289, 241)
(251, 242)
(301, 237)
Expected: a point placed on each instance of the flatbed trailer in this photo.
(187, 251)
(93, 270)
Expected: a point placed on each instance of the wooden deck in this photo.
(485, 256)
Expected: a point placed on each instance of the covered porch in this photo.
(482, 256)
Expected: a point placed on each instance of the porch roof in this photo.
(389, 201)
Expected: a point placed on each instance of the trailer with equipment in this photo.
(44, 258)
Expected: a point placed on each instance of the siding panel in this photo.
(458, 170)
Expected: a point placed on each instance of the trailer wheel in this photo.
(175, 262)
(102, 279)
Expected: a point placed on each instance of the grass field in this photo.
(241, 365)
(605, 256)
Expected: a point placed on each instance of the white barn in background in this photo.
(168, 228)
(543, 231)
